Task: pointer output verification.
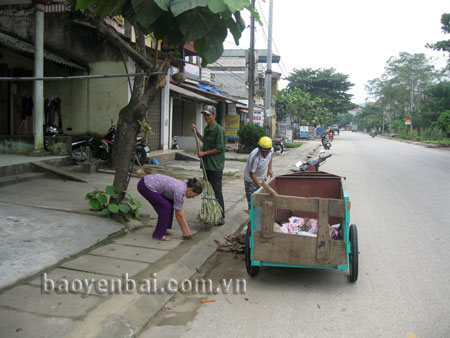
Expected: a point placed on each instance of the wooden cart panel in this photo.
(324, 203)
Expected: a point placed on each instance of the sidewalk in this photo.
(27, 312)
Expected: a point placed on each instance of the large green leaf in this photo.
(235, 27)
(236, 5)
(105, 212)
(213, 42)
(112, 191)
(147, 12)
(255, 14)
(166, 29)
(129, 13)
(124, 208)
(163, 4)
(109, 7)
(102, 199)
(94, 204)
(180, 6)
(217, 6)
(196, 24)
(83, 4)
(114, 208)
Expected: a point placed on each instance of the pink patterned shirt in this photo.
(168, 187)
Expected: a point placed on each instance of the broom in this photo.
(210, 212)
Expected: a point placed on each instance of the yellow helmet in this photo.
(265, 143)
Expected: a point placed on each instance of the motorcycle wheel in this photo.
(79, 154)
(141, 155)
(102, 154)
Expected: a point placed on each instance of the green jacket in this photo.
(214, 137)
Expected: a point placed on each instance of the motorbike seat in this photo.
(81, 138)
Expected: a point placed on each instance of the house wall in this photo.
(232, 84)
(185, 113)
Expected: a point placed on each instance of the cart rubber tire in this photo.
(353, 256)
(141, 155)
(251, 270)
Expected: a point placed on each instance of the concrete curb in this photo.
(127, 315)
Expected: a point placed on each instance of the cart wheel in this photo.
(353, 257)
(251, 270)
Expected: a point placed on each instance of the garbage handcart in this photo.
(308, 195)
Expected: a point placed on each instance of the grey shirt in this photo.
(257, 164)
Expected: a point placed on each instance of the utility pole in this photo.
(251, 67)
(38, 84)
(268, 114)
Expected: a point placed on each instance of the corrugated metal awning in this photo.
(20, 46)
(190, 94)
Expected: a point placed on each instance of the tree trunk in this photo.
(128, 127)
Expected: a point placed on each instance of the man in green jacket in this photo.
(213, 153)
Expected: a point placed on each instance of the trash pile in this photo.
(234, 244)
(306, 227)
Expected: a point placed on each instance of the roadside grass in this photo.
(237, 159)
(292, 144)
(446, 141)
(229, 174)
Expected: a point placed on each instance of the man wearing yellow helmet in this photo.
(259, 166)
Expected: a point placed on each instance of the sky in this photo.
(355, 37)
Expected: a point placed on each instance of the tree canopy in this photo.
(300, 107)
(176, 22)
(327, 84)
(443, 45)
(402, 86)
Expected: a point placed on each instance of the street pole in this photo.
(268, 115)
(251, 67)
(38, 125)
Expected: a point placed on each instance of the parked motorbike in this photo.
(81, 145)
(313, 164)
(278, 146)
(326, 143)
(106, 146)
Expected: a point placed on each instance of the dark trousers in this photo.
(215, 178)
(162, 206)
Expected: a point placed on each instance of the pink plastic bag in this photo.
(312, 225)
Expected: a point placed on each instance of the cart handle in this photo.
(268, 188)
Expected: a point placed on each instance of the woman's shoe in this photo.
(187, 237)
(169, 233)
(163, 238)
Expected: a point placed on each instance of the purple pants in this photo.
(162, 206)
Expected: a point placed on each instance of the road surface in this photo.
(400, 197)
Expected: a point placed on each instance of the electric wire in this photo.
(281, 64)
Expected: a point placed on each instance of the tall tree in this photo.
(443, 45)
(176, 22)
(332, 87)
(300, 107)
(402, 86)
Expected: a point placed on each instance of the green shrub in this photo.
(444, 121)
(249, 136)
(129, 206)
(292, 145)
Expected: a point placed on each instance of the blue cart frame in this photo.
(260, 236)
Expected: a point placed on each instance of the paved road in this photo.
(400, 201)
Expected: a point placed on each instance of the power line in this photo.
(285, 72)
